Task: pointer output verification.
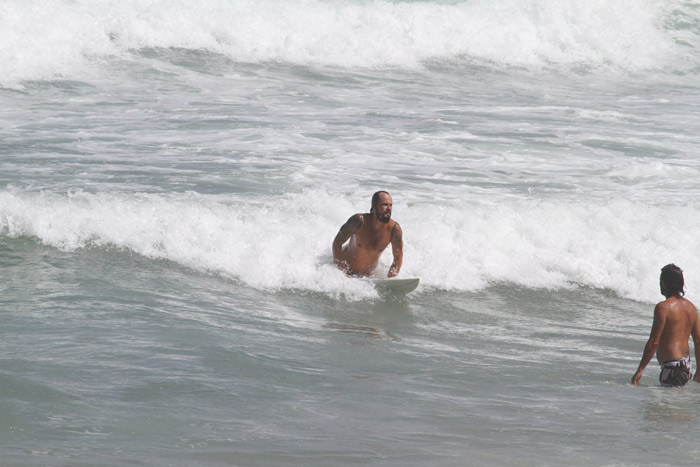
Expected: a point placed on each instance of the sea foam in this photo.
(42, 39)
(285, 242)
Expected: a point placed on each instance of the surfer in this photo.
(675, 320)
(369, 235)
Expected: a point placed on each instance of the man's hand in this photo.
(637, 376)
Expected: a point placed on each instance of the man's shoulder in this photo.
(663, 307)
(691, 304)
(674, 307)
(357, 218)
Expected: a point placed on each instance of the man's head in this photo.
(671, 281)
(381, 206)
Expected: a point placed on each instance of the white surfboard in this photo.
(396, 286)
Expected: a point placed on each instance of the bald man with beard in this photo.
(369, 234)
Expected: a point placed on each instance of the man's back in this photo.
(679, 316)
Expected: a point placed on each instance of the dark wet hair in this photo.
(672, 276)
(375, 199)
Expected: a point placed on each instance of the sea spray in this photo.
(42, 40)
(285, 243)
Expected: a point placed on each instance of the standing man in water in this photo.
(369, 235)
(675, 320)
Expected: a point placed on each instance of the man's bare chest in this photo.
(372, 240)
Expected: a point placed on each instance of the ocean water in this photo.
(172, 176)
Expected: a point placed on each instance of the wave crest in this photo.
(285, 242)
(41, 40)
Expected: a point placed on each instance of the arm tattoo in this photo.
(355, 222)
(396, 235)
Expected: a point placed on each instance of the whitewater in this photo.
(172, 176)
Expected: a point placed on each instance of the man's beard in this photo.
(385, 218)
